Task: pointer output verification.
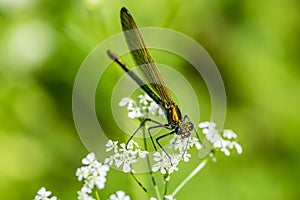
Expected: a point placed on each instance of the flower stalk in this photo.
(190, 176)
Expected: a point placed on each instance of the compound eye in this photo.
(190, 126)
(187, 127)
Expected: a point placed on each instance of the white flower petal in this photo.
(132, 115)
(229, 134)
(126, 167)
(120, 195)
(163, 170)
(238, 147)
(204, 125)
(225, 151)
(89, 159)
(124, 101)
(143, 154)
(155, 167)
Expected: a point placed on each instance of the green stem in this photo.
(157, 192)
(190, 176)
(149, 167)
(97, 195)
(167, 179)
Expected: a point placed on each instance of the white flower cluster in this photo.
(120, 195)
(225, 141)
(43, 194)
(142, 108)
(124, 155)
(93, 173)
(168, 163)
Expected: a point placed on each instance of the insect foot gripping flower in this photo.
(43, 194)
(93, 173)
(120, 195)
(224, 141)
(124, 155)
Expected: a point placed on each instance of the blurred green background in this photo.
(255, 44)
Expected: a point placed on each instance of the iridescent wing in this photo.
(142, 56)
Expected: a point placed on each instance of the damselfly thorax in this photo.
(175, 121)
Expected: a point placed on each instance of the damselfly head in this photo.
(185, 129)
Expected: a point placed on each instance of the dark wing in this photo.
(142, 56)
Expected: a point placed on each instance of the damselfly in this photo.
(156, 88)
